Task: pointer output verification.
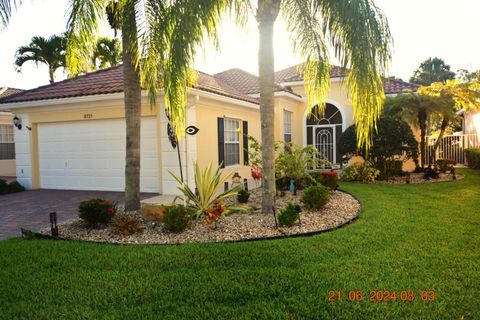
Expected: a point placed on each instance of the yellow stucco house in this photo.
(7, 143)
(73, 132)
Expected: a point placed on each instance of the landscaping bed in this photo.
(416, 178)
(342, 208)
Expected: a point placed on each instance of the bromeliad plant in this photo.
(207, 203)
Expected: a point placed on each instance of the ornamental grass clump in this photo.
(97, 211)
(204, 203)
(315, 197)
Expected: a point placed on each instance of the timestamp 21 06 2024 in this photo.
(381, 295)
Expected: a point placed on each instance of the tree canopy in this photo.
(50, 51)
(432, 70)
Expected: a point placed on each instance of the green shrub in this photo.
(243, 196)
(473, 158)
(282, 183)
(3, 187)
(315, 197)
(360, 172)
(389, 168)
(15, 186)
(329, 179)
(126, 224)
(288, 215)
(97, 211)
(393, 141)
(177, 218)
(445, 165)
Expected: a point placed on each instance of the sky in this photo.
(420, 28)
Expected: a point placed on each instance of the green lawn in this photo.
(410, 237)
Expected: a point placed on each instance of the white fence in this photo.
(451, 147)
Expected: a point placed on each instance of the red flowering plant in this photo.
(97, 211)
(329, 179)
(177, 218)
(214, 213)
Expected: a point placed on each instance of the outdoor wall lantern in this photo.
(17, 122)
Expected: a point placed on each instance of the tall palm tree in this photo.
(416, 109)
(356, 29)
(49, 51)
(172, 31)
(107, 53)
(163, 62)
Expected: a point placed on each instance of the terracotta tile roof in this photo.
(5, 92)
(291, 74)
(245, 82)
(111, 81)
(216, 85)
(233, 83)
(100, 82)
(242, 80)
(392, 86)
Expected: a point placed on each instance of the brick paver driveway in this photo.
(30, 209)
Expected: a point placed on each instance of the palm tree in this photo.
(459, 94)
(416, 109)
(84, 17)
(172, 31)
(160, 51)
(49, 51)
(356, 29)
(432, 70)
(107, 53)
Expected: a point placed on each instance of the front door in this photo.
(324, 141)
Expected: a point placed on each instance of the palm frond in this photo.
(359, 34)
(170, 42)
(82, 28)
(308, 40)
(6, 9)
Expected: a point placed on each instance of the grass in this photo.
(408, 237)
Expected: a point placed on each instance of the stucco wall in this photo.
(7, 167)
(207, 112)
(472, 123)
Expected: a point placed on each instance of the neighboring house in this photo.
(76, 130)
(7, 144)
(471, 123)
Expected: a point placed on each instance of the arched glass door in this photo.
(323, 132)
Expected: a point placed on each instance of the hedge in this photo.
(473, 157)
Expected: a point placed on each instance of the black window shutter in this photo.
(221, 143)
(245, 143)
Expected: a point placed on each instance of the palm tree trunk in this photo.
(267, 13)
(51, 74)
(132, 93)
(422, 120)
(443, 128)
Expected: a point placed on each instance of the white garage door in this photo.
(90, 155)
